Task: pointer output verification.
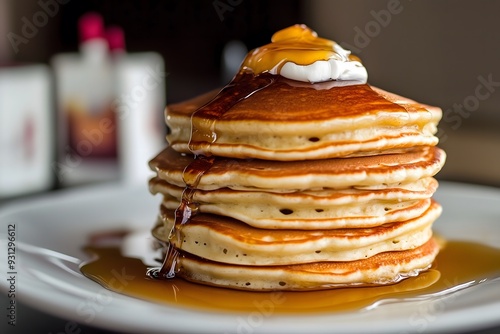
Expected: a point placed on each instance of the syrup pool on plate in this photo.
(459, 265)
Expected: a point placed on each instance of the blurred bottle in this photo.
(26, 130)
(87, 119)
(139, 80)
(233, 54)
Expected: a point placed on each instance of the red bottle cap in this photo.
(115, 38)
(91, 26)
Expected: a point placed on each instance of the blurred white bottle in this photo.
(26, 129)
(139, 80)
(85, 95)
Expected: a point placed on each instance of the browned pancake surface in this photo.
(283, 101)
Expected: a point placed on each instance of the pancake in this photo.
(320, 209)
(292, 121)
(383, 268)
(281, 176)
(280, 184)
(222, 239)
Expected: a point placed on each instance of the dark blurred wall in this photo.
(189, 34)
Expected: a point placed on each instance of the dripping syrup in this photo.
(203, 120)
(478, 263)
(203, 133)
(186, 210)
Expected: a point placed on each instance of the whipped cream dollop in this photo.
(298, 53)
(325, 70)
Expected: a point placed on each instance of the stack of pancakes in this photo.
(296, 186)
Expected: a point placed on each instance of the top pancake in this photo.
(287, 120)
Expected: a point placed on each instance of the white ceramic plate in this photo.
(51, 230)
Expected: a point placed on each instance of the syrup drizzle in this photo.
(203, 134)
(187, 209)
(203, 120)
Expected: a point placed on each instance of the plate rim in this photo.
(38, 301)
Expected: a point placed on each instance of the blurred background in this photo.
(131, 57)
(441, 53)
